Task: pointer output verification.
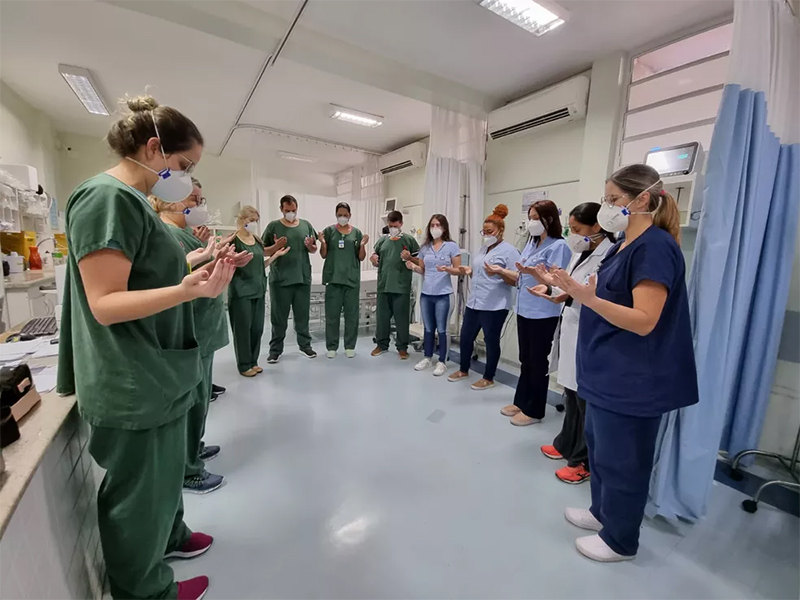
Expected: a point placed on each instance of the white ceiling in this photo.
(394, 58)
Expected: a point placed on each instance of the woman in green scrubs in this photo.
(344, 248)
(128, 347)
(211, 329)
(248, 290)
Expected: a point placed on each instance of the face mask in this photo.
(252, 227)
(196, 216)
(535, 227)
(580, 243)
(343, 221)
(394, 231)
(615, 218)
(290, 216)
(489, 240)
(436, 233)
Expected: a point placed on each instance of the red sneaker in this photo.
(573, 475)
(198, 544)
(551, 452)
(193, 589)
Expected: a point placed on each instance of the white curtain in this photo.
(455, 173)
(363, 187)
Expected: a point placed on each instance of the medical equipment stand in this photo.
(790, 464)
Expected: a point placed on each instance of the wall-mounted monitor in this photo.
(391, 204)
(675, 160)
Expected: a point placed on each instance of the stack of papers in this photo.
(11, 354)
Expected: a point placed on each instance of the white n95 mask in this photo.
(394, 232)
(252, 227)
(580, 243)
(489, 240)
(613, 218)
(535, 227)
(343, 221)
(290, 216)
(196, 216)
(436, 232)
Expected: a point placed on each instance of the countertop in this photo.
(28, 279)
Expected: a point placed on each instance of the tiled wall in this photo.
(51, 548)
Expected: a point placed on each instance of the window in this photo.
(675, 92)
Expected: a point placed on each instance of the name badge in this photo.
(341, 243)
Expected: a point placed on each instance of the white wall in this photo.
(409, 189)
(27, 137)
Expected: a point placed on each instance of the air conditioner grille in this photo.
(556, 115)
(398, 167)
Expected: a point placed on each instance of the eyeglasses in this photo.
(190, 169)
(199, 200)
(610, 200)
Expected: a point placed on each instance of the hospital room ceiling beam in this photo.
(243, 24)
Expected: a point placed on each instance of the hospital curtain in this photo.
(741, 269)
(456, 168)
(367, 195)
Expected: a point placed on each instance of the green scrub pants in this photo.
(282, 299)
(196, 421)
(140, 506)
(397, 306)
(247, 325)
(337, 298)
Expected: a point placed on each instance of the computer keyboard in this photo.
(40, 326)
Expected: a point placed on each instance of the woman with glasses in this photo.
(635, 356)
(489, 299)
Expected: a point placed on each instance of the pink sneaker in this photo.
(198, 544)
(193, 589)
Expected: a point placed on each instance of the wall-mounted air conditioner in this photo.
(561, 103)
(404, 159)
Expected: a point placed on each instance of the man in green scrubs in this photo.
(343, 248)
(135, 382)
(211, 332)
(394, 285)
(290, 279)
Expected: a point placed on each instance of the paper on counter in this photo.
(46, 350)
(45, 379)
(19, 348)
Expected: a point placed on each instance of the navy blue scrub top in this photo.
(629, 374)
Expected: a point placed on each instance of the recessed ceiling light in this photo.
(296, 157)
(529, 15)
(355, 116)
(82, 84)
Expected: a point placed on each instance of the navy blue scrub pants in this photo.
(491, 321)
(621, 450)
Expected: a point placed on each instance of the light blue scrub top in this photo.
(491, 292)
(552, 252)
(437, 283)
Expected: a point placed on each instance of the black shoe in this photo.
(308, 352)
(273, 359)
(214, 397)
(209, 452)
(217, 389)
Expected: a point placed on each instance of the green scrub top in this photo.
(295, 267)
(393, 275)
(249, 281)
(211, 329)
(139, 374)
(342, 266)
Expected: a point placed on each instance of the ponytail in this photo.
(667, 216)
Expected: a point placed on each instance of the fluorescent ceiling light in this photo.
(82, 84)
(297, 157)
(529, 15)
(355, 116)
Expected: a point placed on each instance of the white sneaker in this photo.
(440, 369)
(592, 546)
(583, 518)
(331, 353)
(423, 364)
(350, 353)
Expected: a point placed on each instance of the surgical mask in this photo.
(394, 231)
(535, 227)
(580, 243)
(196, 216)
(252, 227)
(436, 232)
(343, 221)
(489, 240)
(290, 216)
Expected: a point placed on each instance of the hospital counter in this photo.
(49, 544)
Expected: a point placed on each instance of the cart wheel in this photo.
(560, 407)
(737, 475)
(750, 505)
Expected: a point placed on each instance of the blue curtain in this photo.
(738, 290)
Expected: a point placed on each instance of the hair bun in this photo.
(501, 210)
(141, 104)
